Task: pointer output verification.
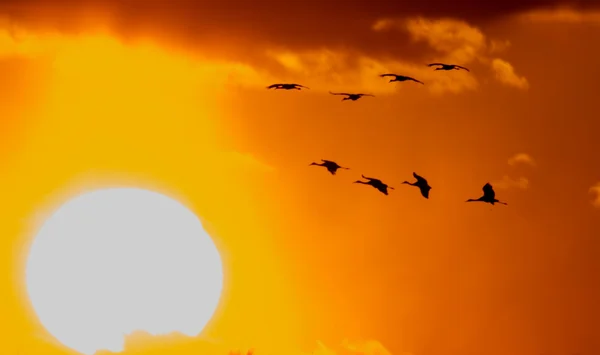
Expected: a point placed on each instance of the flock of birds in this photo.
(489, 195)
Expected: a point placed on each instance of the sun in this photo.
(114, 261)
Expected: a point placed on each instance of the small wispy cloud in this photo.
(563, 15)
(507, 182)
(521, 158)
(505, 73)
(595, 190)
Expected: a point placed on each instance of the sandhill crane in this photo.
(443, 66)
(352, 97)
(331, 166)
(401, 78)
(489, 196)
(421, 183)
(376, 183)
(287, 86)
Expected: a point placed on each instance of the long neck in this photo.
(410, 183)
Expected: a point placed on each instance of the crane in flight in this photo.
(489, 196)
(421, 183)
(352, 97)
(376, 183)
(287, 87)
(442, 66)
(331, 166)
(401, 78)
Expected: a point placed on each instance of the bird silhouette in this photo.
(401, 78)
(287, 87)
(489, 196)
(443, 66)
(421, 183)
(376, 183)
(331, 166)
(352, 97)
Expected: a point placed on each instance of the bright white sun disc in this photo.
(118, 260)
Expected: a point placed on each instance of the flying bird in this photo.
(400, 78)
(352, 97)
(331, 166)
(421, 183)
(287, 86)
(443, 66)
(489, 196)
(376, 183)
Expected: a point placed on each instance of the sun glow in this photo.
(115, 261)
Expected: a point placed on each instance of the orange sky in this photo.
(173, 99)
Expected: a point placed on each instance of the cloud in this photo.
(508, 182)
(505, 73)
(595, 190)
(458, 42)
(564, 15)
(521, 158)
(325, 70)
(252, 27)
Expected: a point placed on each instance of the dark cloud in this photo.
(247, 25)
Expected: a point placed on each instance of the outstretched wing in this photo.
(302, 86)
(329, 162)
(434, 64)
(458, 66)
(419, 178)
(425, 191)
(339, 93)
(384, 75)
(377, 181)
(488, 191)
(274, 86)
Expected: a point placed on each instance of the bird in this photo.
(421, 183)
(331, 166)
(489, 196)
(443, 66)
(287, 86)
(376, 183)
(352, 97)
(401, 78)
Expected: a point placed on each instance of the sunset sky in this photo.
(171, 96)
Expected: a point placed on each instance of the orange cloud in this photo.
(595, 190)
(521, 158)
(457, 42)
(505, 73)
(561, 15)
(508, 182)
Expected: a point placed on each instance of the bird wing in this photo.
(384, 75)
(434, 64)
(425, 191)
(339, 93)
(274, 86)
(329, 162)
(419, 178)
(488, 191)
(458, 66)
(373, 180)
